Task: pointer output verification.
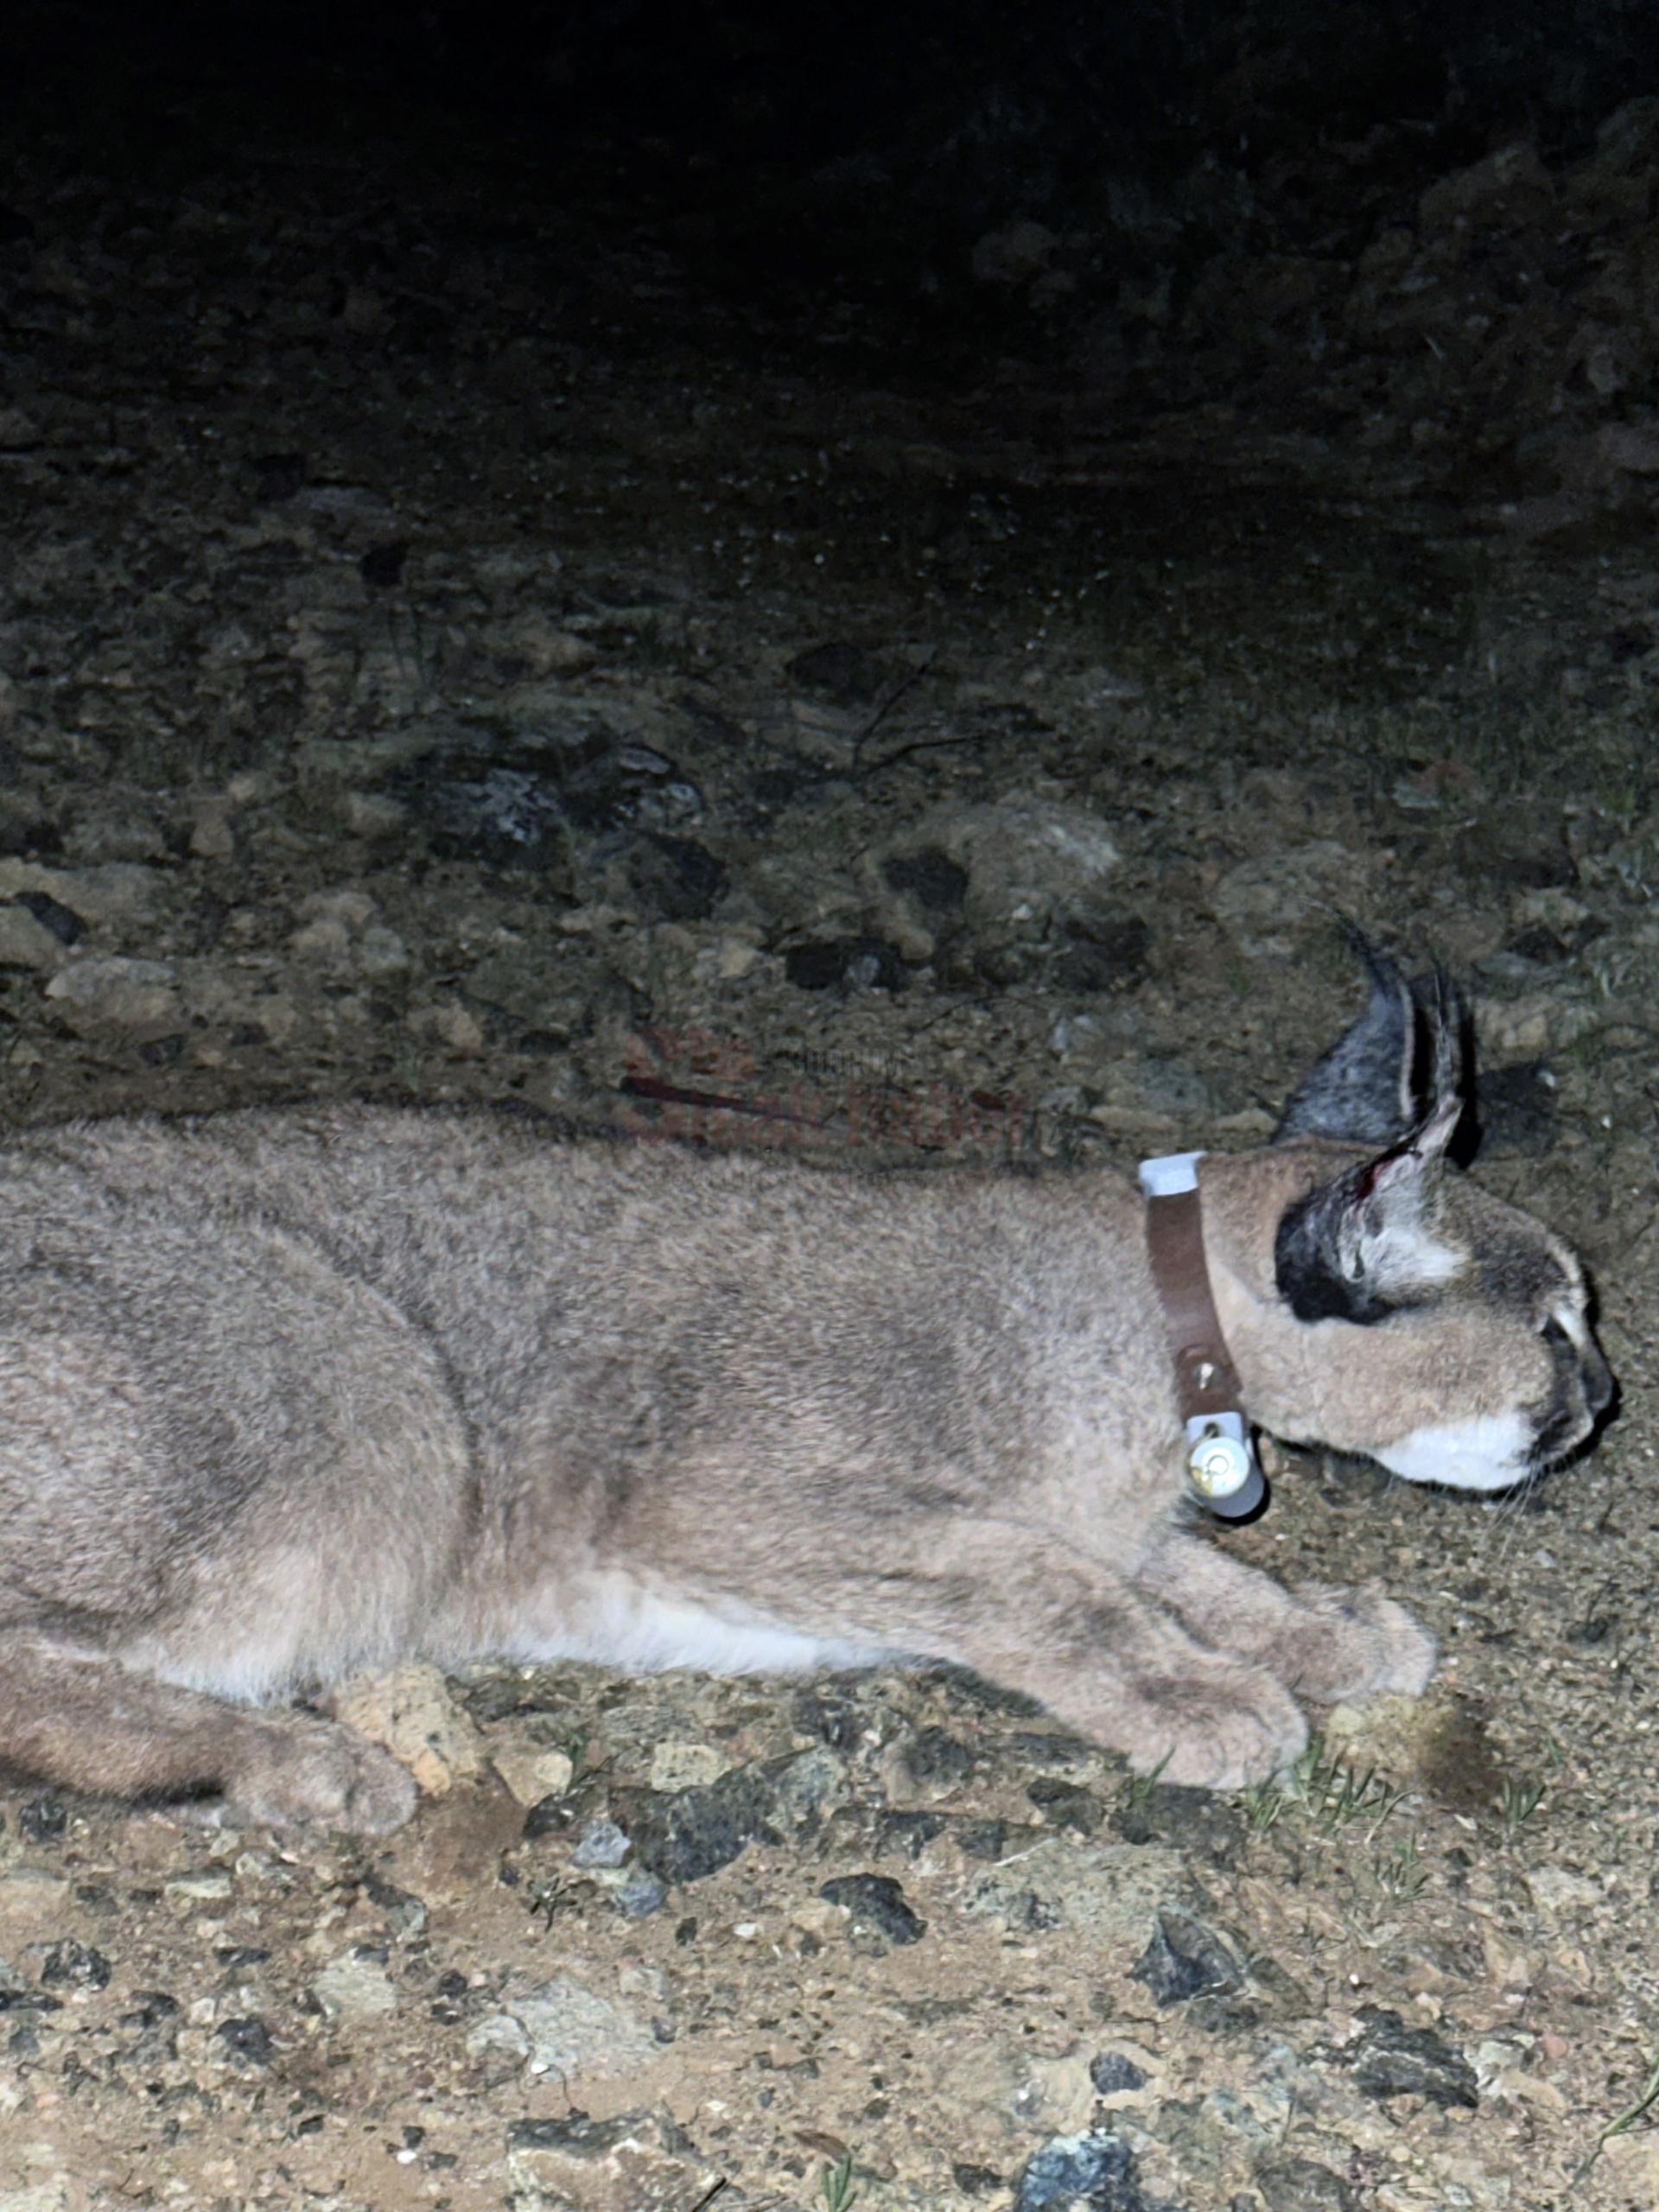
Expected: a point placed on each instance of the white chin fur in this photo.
(1488, 1453)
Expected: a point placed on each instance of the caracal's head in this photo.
(1415, 1317)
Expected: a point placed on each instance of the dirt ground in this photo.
(454, 647)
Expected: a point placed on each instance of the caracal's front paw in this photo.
(315, 1772)
(1225, 1728)
(1348, 1644)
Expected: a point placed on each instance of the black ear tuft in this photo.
(1404, 1057)
(1366, 1243)
(1308, 1255)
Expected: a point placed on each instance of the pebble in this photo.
(115, 993)
(1101, 1893)
(1184, 1959)
(1092, 2172)
(29, 1899)
(381, 951)
(601, 1844)
(212, 836)
(355, 1986)
(570, 2030)
(687, 1765)
(876, 1904)
(1114, 2073)
(683, 1836)
(247, 2038)
(1268, 904)
(25, 942)
(1302, 2185)
(532, 1774)
(198, 1889)
(1391, 2060)
(116, 893)
(1025, 857)
(70, 1965)
(637, 2162)
(409, 1710)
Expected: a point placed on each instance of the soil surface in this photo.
(457, 645)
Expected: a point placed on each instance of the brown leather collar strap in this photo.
(1205, 1374)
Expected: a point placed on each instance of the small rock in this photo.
(410, 1713)
(1102, 1893)
(356, 1987)
(1113, 2073)
(457, 1026)
(372, 814)
(875, 1902)
(25, 940)
(545, 649)
(69, 1965)
(1391, 2060)
(61, 921)
(1303, 2185)
(206, 1888)
(532, 1775)
(1027, 859)
(693, 1833)
(381, 951)
(117, 994)
(687, 1766)
(1270, 905)
(1193, 1821)
(601, 1844)
(639, 1894)
(1186, 1959)
(1093, 2172)
(849, 963)
(1066, 1804)
(44, 1820)
(247, 2039)
(116, 892)
(935, 1756)
(638, 2162)
(457, 1841)
(29, 1900)
(573, 2033)
(807, 1785)
(212, 836)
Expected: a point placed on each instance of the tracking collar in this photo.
(1220, 1462)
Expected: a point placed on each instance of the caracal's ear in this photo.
(1395, 1069)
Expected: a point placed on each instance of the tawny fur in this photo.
(290, 1393)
